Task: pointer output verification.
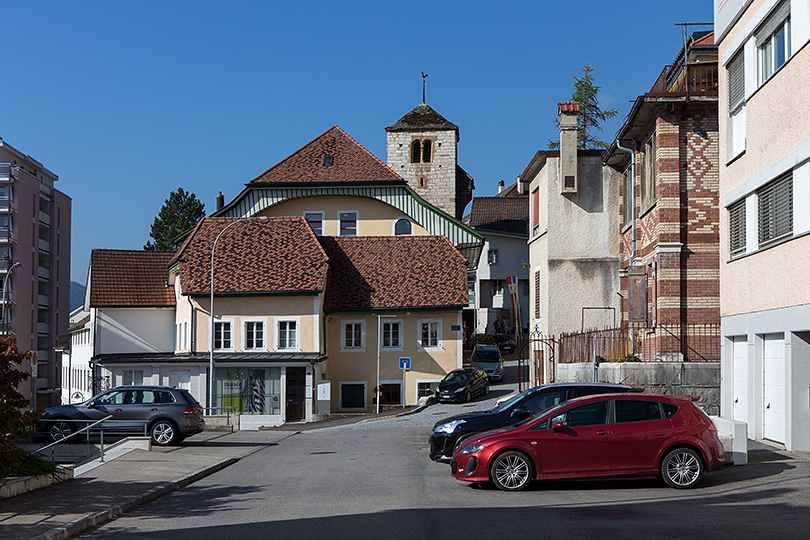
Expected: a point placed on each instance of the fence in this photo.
(663, 343)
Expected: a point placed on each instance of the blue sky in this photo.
(127, 101)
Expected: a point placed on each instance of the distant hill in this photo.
(76, 295)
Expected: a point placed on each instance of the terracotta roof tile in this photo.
(350, 162)
(385, 272)
(422, 117)
(273, 255)
(124, 278)
(567, 106)
(503, 214)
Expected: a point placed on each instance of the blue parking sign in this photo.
(405, 363)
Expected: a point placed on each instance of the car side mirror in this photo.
(521, 412)
(557, 426)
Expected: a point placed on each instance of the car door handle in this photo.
(153, 409)
(118, 410)
(603, 432)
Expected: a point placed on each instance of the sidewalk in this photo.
(106, 491)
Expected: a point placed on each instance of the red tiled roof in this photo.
(350, 162)
(273, 255)
(125, 278)
(384, 272)
(708, 39)
(567, 106)
(504, 214)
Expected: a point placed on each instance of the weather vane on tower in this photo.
(424, 76)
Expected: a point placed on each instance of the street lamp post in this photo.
(5, 294)
(211, 377)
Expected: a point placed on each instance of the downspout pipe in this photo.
(632, 201)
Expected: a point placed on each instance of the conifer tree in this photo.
(591, 116)
(180, 212)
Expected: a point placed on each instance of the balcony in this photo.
(44, 218)
(44, 245)
(5, 172)
(43, 328)
(44, 273)
(43, 300)
(691, 79)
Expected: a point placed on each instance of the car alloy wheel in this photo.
(682, 468)
(59, 430)
(467, 396)
(511, 471)
(163, 433)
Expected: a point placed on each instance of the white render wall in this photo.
(139, 330)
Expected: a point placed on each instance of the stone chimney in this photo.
(568, 110)
(220, 201)
(500, 186)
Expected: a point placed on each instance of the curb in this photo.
(98, 518)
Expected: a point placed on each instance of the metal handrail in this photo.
(227, 409)
(87, 429)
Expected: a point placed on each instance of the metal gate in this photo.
(538, 352)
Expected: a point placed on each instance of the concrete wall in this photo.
(678, 378)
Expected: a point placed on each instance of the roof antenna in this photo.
(424, 76)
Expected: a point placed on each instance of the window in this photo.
(288, 334)
(402, 227)
(112, 398)
(497, 287)
(392, 335)
(537, 294)
(391, 393)
(775, 204)
(592, 414)
(254, 335)
(353, 335)
(632, 410)
(315, 220)
(535, 211)
(542, 400)
(773, 42)
(249, 390)
(429, 334)
(627, 197)
(648, 175)
(416, 154)
(426, 151)
(492, 256)
(737, 228)
(348, 223)
(426, 388)
(222, 335)
(133, 377)
(352, 395)
(736, 105)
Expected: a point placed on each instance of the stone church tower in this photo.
(422, 149)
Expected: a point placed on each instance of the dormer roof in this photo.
(423, 118)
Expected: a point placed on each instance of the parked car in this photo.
(597, 436)
(488, 358)
(461, 385)
(169, 414)
(448, 432)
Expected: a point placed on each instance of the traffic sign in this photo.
(405, 363)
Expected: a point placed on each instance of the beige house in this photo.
(765, 217)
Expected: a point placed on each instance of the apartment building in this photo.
(764, 150)
(35, 267)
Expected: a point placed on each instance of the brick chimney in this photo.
(568, 110)
(220, 201)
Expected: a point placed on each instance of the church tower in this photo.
(422, 149)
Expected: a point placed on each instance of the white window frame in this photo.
(497, 287)
(319, 212)
(134, 374)
(228, 321)
(401, 324)
(397, 220)
(429, 347)
(423, 381)
(356, 348)
(245, 322)
(277, 327)
(778, 22)
(340, 396)
(492, 257)
(356, 222)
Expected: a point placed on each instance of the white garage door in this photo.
(739, 391)
(773, 377)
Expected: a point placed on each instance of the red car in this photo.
(604, 435)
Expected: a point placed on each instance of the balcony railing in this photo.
(691, 79)
(5, 172)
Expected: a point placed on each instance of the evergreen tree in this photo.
(180, 212)
(590, 117)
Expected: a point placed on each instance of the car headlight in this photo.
(448, 427)
(471, 449)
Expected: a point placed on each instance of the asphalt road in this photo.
(374, 480)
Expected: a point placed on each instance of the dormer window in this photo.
(328, 161)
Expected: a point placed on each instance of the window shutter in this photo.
(774, 21)
(776, 210)
(737, 228)
(736, 83)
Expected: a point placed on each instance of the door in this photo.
(111, 403)
(638, 433)
(739, 377)
(296, 393)
(581, 447)
(773, 381)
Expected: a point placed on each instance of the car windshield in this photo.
(505, 406)
(456, 377)
(486, 355)
(542, 413)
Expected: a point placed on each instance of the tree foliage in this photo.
(591, 116)
(180, 212)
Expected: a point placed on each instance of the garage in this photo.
(773, 379)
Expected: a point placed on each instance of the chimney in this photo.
(220, 201)
(568, 110)
(500, 186)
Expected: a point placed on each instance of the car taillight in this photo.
(191, 410)
(712, 426)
